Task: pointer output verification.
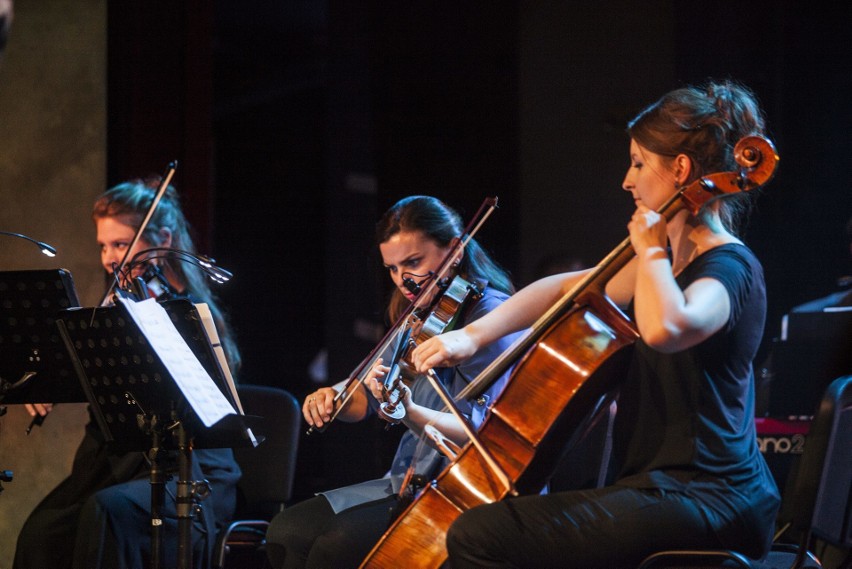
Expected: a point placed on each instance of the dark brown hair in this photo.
(442, 224)
(704, 123)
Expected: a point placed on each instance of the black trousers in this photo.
(99, 517)
(309, 534)
(609, 528)
(56, 519)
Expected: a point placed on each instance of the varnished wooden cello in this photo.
(570, 357)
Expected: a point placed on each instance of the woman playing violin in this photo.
(688, 473)
(99, 516)
(338, 528)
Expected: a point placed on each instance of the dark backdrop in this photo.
(299, 122)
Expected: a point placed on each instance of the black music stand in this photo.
(34, 365)
(813, 351)
(140, 405)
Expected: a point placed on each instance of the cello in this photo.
(567, 361)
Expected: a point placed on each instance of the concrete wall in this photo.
(52, 165)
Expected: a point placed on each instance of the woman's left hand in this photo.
(647, 229)
(377, 389)
(374, 382)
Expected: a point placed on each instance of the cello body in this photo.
(525, 431)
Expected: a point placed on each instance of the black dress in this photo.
(689, 471)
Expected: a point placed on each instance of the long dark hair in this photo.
(129, 202)
(704, 122)
(442, 224)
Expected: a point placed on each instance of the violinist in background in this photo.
(688, 471)
(338, 528)
(99, 517)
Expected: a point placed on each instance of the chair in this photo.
(820, 500)
(267, 479)
(586, 461)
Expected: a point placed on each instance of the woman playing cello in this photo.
(338, 528)
(688, 470)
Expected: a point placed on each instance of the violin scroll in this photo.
(391, 408)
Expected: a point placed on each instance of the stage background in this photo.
(52, 165)
(296, 123)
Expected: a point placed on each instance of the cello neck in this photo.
(593, 283)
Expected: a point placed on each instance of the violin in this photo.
(563, 366)
(429, 314)
(442, 317)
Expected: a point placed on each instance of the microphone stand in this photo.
(45, 248)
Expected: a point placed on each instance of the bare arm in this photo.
(670, 319)
(417, 416)
(519, 312)
(319, 405)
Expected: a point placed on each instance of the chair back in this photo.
(268, 469)
(821, 500)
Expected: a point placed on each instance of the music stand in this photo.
(813, 351)
(34, 365)
(141, 403)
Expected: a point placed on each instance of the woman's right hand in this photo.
(318, 406)
(446, 350)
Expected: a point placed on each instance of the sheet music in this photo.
(194, 382)
(213, 336)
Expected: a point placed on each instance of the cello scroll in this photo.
(757, 159)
